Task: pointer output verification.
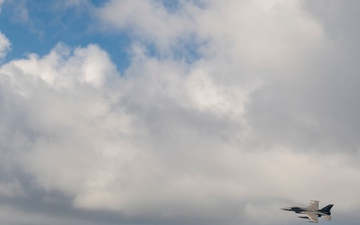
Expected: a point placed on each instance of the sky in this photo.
(184, 112)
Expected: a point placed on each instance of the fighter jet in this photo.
(312, 211)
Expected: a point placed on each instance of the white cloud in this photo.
(260, 35)
(78, 114)
(150, 21)
(255, 33)
(4, 46)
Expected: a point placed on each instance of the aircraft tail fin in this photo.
(327, 209)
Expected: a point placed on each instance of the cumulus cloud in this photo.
(118, 134)
(251, 124)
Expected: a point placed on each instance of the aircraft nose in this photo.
(286, 209)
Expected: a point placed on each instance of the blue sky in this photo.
(49, 22)
(178, 112)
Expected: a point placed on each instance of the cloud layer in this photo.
(227, 112)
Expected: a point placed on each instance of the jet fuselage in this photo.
(301, 210)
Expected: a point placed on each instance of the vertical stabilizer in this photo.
(327, 209)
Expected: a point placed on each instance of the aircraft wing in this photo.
(312, 217)
(313, 205)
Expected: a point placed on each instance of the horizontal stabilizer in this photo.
(327, 217)
(312, 217)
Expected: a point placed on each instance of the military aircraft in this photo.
(312, 211)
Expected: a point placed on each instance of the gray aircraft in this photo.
(312, 211)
